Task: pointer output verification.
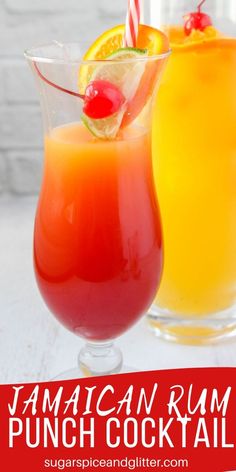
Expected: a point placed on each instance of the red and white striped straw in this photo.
(132, 23)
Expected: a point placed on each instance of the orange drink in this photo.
(194, 144)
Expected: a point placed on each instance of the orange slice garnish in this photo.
(154, 41)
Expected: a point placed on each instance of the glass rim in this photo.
(32, 55)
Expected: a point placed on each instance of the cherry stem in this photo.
(200, 6)
(58, 87)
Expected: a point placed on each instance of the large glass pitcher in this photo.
(194, 144)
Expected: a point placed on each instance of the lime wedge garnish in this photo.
(105, 128)
(126, 76)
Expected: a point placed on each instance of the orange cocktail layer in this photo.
(97, 236)
(194, 143)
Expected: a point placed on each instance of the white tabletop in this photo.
(35, 347)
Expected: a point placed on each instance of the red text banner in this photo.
(174, 419)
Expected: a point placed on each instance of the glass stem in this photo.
(100, 359)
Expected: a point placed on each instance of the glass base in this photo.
(97, 359)
(210, 329)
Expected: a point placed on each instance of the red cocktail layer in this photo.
(98, 244)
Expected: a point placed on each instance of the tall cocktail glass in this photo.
(97, 238)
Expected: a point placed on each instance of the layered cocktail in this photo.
(97, 239)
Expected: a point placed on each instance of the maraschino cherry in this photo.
(196, 20)
(102, 99)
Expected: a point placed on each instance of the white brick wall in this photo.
(24, 23)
